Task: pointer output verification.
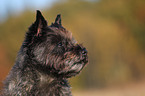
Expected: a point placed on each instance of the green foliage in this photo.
(112, 30)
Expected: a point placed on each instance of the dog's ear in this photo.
(57, 22)
(38, 24)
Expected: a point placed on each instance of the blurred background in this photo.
(113, 31)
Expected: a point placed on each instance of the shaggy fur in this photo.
(48, 57)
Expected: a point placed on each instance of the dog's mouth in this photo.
(73, 67)
(78, 66)
(83, 61)
(77, 61)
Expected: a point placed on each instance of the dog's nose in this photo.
(84, 51)
(80, 49)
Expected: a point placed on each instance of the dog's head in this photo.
(53, 48)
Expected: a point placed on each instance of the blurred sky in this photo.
(14, 7)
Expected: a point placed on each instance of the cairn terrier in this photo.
(48, 56)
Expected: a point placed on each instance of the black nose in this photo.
(84, 51)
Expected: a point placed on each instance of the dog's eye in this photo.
(60, 48)
(60, 44)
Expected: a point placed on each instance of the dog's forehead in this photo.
(61, 32)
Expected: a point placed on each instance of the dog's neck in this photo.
(52, 85)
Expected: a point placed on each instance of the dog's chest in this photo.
(49, 86)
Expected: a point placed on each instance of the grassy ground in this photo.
(137, 89)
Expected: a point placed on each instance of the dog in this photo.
(49, 55)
